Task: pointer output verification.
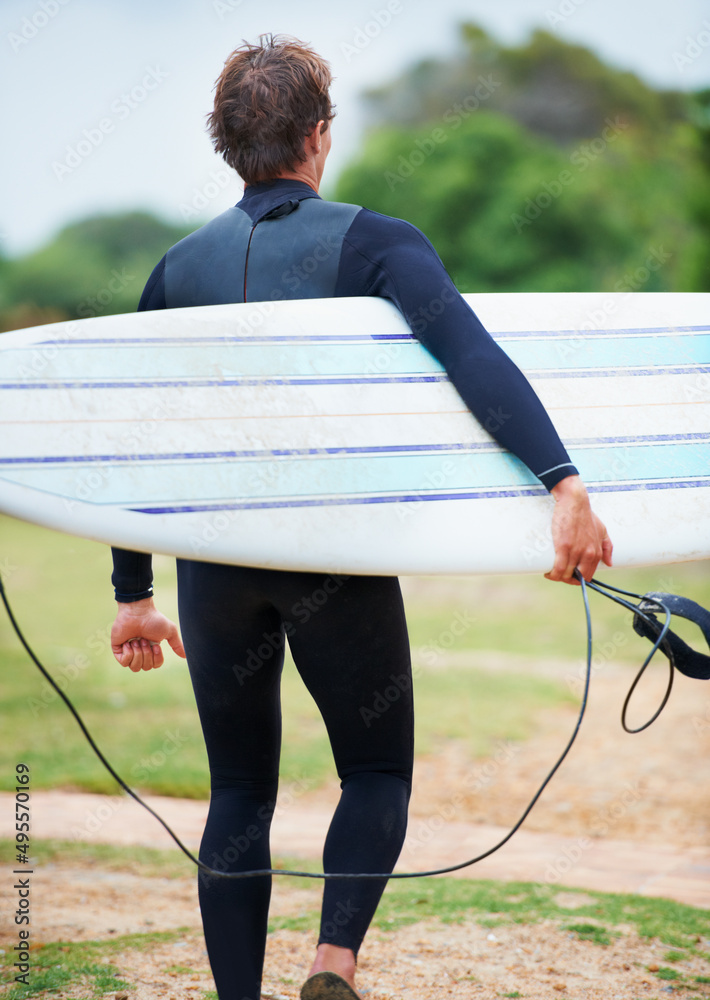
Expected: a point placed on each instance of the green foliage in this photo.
(94, 267)
(509, 211)
(595, 933)
(542, 169)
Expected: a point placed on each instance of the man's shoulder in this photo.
(227, 220)
(369, 224)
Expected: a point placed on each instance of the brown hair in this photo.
(268, 98)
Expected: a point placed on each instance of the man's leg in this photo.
(353, 655)
(234, 644)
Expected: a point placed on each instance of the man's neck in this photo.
(307, 175)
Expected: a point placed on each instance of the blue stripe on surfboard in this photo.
(410, 498)
(256, 453)
(258, 337)
(340, 450)
(282, 360)
(202, 383)
(353, 474)
(584, 333)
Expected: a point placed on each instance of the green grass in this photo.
(62, 965)
(147, 725)
(148, 862)
(595, 933)
(666, 973)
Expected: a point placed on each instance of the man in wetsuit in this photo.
(271, 122)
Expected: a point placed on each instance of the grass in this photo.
(147, 725)
(148, 862)
(60, 965)
(64, 965)
(590, 932)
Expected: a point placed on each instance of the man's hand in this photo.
(136, 635)
(579, 537)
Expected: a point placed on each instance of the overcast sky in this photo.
(104, 101)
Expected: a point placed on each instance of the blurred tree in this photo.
(699, 196)
(562, 91)
(93, 267)
(581, 179)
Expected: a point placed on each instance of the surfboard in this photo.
(319, 435)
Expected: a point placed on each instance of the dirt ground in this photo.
(650, 788)
(425, 961)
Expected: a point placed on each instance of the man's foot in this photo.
(328, 986)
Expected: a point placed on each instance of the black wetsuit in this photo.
(347, 635)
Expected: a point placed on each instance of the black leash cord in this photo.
(595, 584)
(604, 588)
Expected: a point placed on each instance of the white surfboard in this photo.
(319, 435)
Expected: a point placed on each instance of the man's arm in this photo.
(139, 627)
(393, 260)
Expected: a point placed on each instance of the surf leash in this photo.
(645, 623)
